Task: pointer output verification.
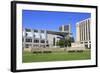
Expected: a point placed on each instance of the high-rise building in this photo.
(83, 32)
(66, 28)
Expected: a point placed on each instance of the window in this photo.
(60, 28)
(85, 42)
(53, 41)
(28, 30)
(28, 40)
(47, 45)
(26, 34)
(42, 41)
(36, 41)
(37, 35)
(42, 31)
(36, 46)
(86, 46)
(26, 45)
(47, 41)
(66, 28)
(43, 46)
(81, 42)
(35, 30)
(43, 36)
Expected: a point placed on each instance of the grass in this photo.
(58, 56)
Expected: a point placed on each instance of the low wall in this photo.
(27, 49)
(76, 48)
(54, 49)
(77, 44)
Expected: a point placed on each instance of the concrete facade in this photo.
(42, 38)
(83, 32)
(66, 28)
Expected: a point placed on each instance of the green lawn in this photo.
(60, 56)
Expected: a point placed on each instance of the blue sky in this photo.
(51, 20)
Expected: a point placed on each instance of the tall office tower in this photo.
(66, 28)
(83, 32)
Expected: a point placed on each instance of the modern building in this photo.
(33, 38)
(65, 28)
(83, 32)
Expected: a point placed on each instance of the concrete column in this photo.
(63, 27)
(81, 32)
(45, 37)
(39, 31)
(55, 40)
(77, 33)
(69, 29)
(24, 38)
(89, 44)
(85, 30)
(32, 38)
(89, 30)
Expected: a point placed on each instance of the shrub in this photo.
(79, 50)
(71, 51)
(47, 52)
(36, 52)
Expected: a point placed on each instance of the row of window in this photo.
(66, 28)
(36, 34)
(29, 30)
(29, 45)
(85, 42)
(35, 41)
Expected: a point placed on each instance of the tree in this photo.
(72, 39)
(60, 43)
(65, 42)
(69, 42)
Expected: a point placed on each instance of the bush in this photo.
(71, 51)
(75, 51)
(36, 52)
(79, 50)
(60, 43)
(47, 52)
